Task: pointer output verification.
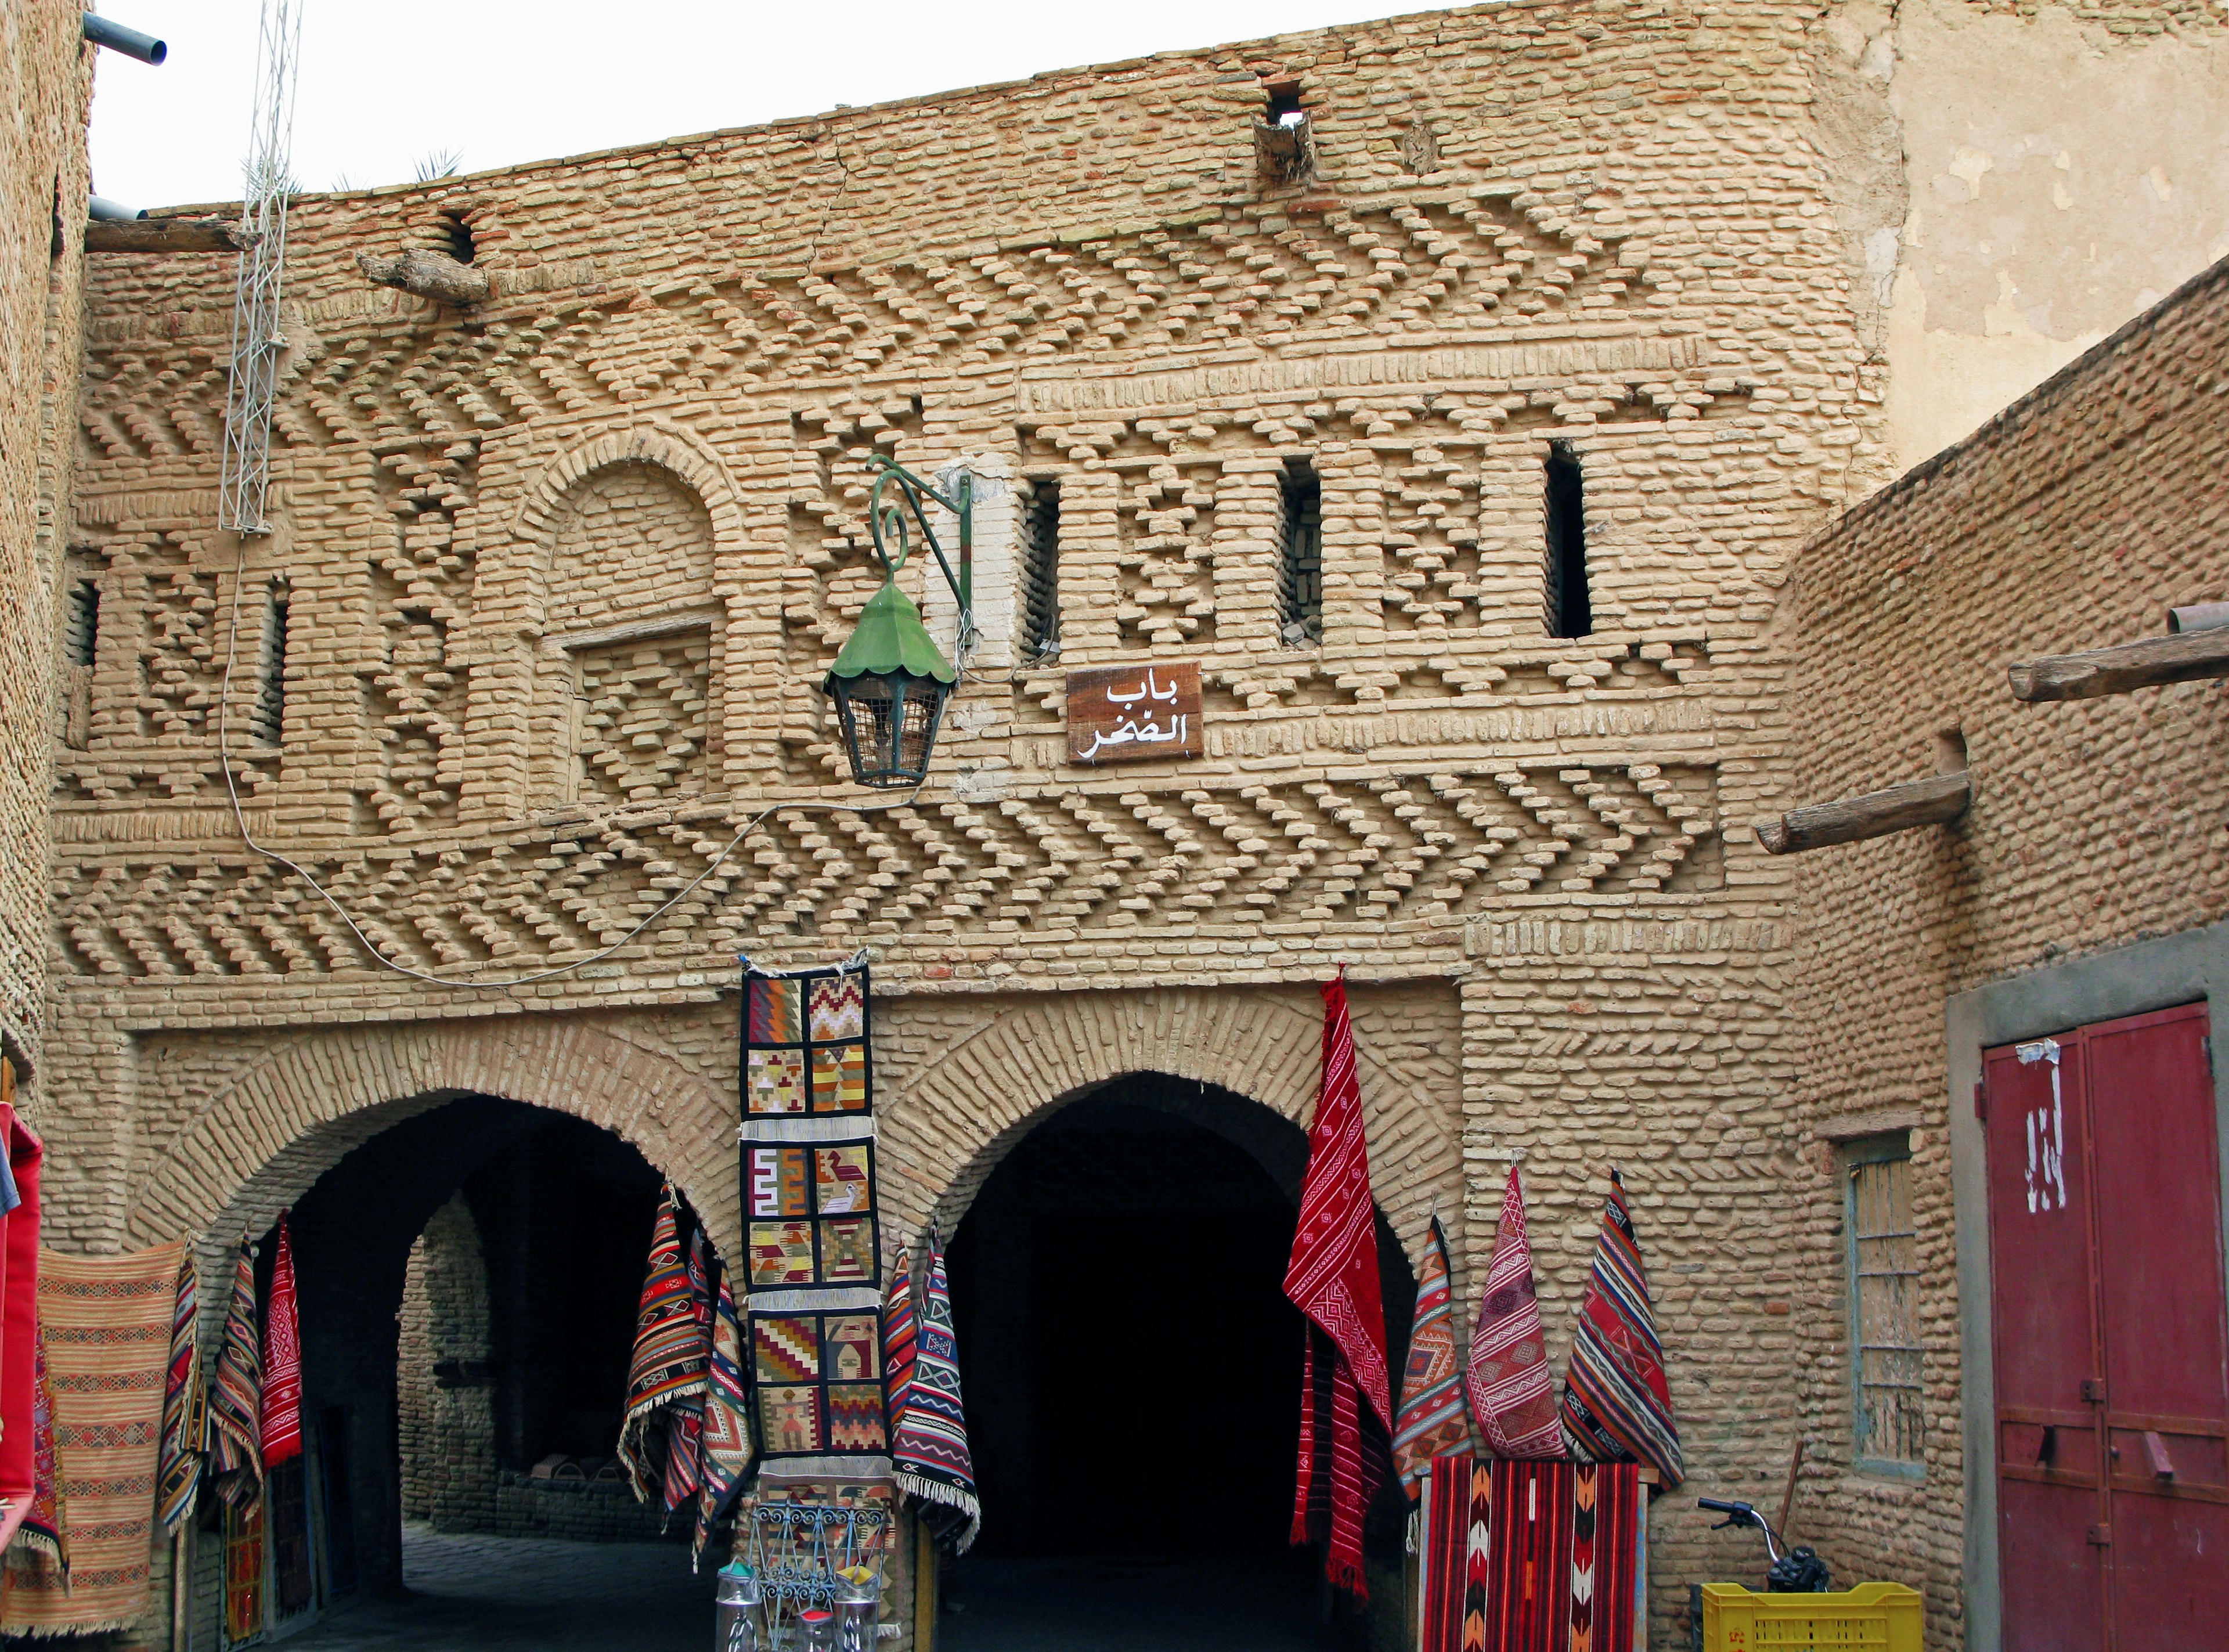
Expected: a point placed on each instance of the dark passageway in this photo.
(1132, 1372)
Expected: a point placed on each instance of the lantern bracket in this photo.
(886, 521)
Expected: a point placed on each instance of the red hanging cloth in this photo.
(1333, 1278)
(282, 1360)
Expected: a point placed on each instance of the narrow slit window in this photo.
(267, 720)
(1570, 609)
(81, 633)
(1884, 1266)
(1300, 566)
(1040, 570)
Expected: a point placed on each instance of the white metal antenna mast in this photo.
(256, 337)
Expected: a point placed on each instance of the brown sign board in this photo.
(1135, 713)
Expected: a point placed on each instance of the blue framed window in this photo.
(1886, 1432)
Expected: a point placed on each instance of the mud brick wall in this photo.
(2072, 521)
(561, 573)
(44, 181)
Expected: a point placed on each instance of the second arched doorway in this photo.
(1134, 1373)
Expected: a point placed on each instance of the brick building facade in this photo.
(554, 579)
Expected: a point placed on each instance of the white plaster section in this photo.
(994, 576)
(2061, 181)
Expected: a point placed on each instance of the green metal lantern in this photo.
(891, 681)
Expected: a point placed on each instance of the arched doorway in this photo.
(468, 1280)
(1133, 1374)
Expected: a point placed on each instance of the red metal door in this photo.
(2051, 1575)
(2165, 1327)
(2111, 1338)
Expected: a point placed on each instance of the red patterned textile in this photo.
(1447, 1547)
(1605, 1527)
(1617, 1405)
(19, 1312)
(1433, 1419)
(900, 1334)
(1528, 1601)
(1512, 1392)
(1333, 1278)
(281, 1421)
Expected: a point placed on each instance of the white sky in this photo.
(386, 82)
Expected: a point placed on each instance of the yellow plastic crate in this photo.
(1872, 1617)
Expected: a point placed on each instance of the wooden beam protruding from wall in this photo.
(429, 275)
(167, 235)
(2182, 657)
(1915, 803)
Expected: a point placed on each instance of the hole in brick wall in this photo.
(1570, 611)
(1039, 592)
(456, 234)
(266, 719)
(1284, 104)
(1950, 752)
(1284, 146)
(1300, 571)
(81, 633)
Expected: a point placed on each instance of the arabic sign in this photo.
(1135, 713)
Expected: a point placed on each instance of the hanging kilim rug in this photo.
(1445, 1550)
(235, 1437)
(672, 1352)
(1528, 1603)
(185, 1406)
(1333, 1278)
(935, 1466)
(243, 1570)
(43, 1540)
(811, 1270)
(900, 1334)
(1512, 1392)
(106, 1324)
(280, 1426)
(19, 1297)
(685, 1419)
(727, 1448)
(1607, 1500)
(1433, 1419)
(1617, 1405)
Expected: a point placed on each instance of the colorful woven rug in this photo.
(812, 1247)
(1511, 1390)
(106, 1323)
(1333, 1278)
(930, 1453)
(901, 1333)
(281, 1424)
(42, 1542)
(685, 1419)
(185, 1406)
(1617, 1406)
(1433, 1419)
(671, 1358)
(243, 1570)
(727, 1445)
(235, 1440)
(1533, 1557)
(19, 1301)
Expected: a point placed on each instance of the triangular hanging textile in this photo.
(185, 1406)
(930, 1453)
(685, 1419)
(281, 1424)
(672, 1353)
(901, 1334)
(1433, 1419)
(1617, 1405)
(726, 1446)
(236, 1398)
(1512, 1392)
(1333, 1279)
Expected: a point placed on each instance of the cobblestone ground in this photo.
(493, 1592)
(1066, 1606)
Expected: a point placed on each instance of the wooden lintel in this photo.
(167, 235)
(2182, 657)
(1850, 820)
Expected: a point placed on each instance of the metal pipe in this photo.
(129, 42)
(102, 211)
(2197, 616)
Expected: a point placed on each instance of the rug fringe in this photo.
(935, 1491)
(1415, 1529)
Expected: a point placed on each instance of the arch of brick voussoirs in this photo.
(270, 1129)
(670, 447)
(968, 1105)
